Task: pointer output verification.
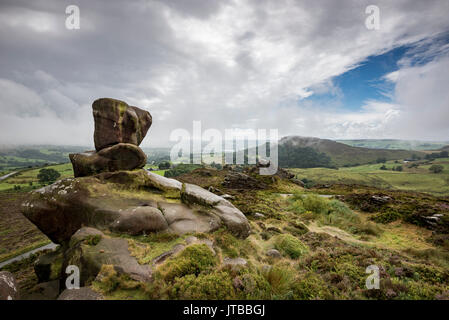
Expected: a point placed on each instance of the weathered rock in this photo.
(273, 253)
(84, 293)
(140, 220)
(234, 263)
(116, 122)
(89, 258)
(122, 156)
(132, 199)
(237, 180)
(164, 256)
(195, 194)
(163, 183)
(234, 220)
(8, 286)
(84, 234)
(182, 218)
(258, 215)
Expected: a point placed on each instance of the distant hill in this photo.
(395, 144)
(330, 153)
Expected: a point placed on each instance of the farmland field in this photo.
(418, 179)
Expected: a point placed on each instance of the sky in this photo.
(309, 68)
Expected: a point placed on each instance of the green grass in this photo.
(418, 179)
(24, 178)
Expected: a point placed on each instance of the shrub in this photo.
(214, 286)
(192, 260)
(310, 286)
(388, 216)
(280, 279)
(108, 280)
(436, 168)
(164, 165)
(93, 240)
(290, 245)
(48, 175)
(231, 246)
(254, 286)
(315, 204)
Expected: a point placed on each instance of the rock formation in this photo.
(111, 198)
(119, 130)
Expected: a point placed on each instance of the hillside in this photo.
(395, 144)
(339, 153)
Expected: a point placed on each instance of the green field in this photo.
(25, 177)
(410, 179)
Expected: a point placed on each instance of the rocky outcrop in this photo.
(8, 286)
(89, 253)
(119, 130)
(116, 122)
(110, 197)
(131, 202)
(122, 156)
(237, 180)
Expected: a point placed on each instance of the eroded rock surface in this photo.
(119, 130)
(122, 156)
(116, 122)
(132, 202)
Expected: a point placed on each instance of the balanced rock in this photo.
(116, 122)
(122, 156)
(119, 129)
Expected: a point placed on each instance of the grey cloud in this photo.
(222, 62)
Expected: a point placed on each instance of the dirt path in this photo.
(336, 232)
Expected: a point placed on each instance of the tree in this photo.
(436, 168)
(398, 168)
(383, 167)
(48, 175)
(381, 160)
(164, 165)
(444, 154)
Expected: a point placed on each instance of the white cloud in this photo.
(229, 64)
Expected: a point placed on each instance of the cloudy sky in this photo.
(308, 68)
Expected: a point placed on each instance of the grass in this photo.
(192, 260)
(25, 177)
(418, 179)
(289, 245)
